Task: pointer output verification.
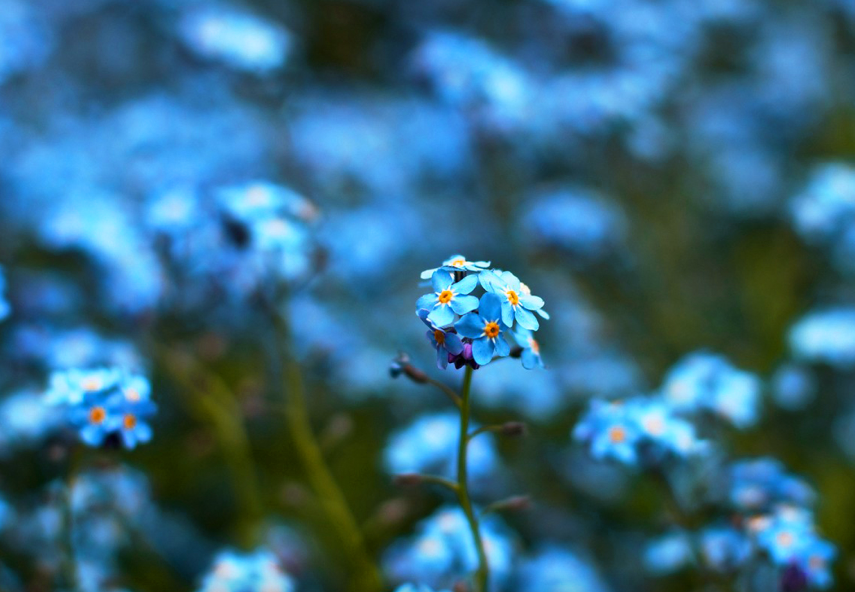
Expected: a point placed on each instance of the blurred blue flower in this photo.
(793, 386)
(429, 445)
(238, 39)
(530, 348)
(104, 402)
(485, 327)
(826, 336)
(757, 484)
(610, 432)
(449, 298)
(706, 381)
(258, 570)
(442, 551)
(555, 569)
(724, 548)
(576, 220)
(668, 554)
(4, 306)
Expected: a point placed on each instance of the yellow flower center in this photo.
(91, 384)
(617, 434)
(445, 296)
(129, 421)
(785, 539)
(513, 297)
(491, 329)
(458, 263)
(439, 336)
(97, 415)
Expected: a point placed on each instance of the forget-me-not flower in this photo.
(516, 299)
(484, 327)
(449, 297)
(457, 263)
(445, 342)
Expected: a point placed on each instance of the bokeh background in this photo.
(671, 176)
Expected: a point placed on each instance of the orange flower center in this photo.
(785, 539)
(445, 296)
(91, 384)
(458, 263)
(513, 297)
(491, 329)
(130, 421)
(439, 336)
(617, 434)
(97, 415)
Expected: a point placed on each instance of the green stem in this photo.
(366, 577)
(482, 575)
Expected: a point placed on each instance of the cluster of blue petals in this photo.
(466, 329)
(104, 402)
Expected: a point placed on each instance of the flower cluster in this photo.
(641, 430)
(247, 572)
(465, 329)
(104, 404)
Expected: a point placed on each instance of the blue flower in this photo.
(237, 572)
(448, 298)
(104, 402)
(484, 327)
(446, 343)
(4, 306)
(530, 348)
(457, 263)
(516, 299)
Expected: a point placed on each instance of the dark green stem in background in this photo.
(482, 575)
(365, 577)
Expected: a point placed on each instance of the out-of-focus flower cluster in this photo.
(674, 177)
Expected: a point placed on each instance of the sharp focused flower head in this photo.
(465, 329)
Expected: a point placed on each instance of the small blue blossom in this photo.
(449, 298)
(429, 445)
(446, 342)
(104, 402)
(4, 306)
(555, 569)
(238, 39)
(668, 553)
(826, 336)
(247, 572)
(485, 327)
(705, 381)
(530, 348)
(516, 299)
(457, 263)
(724, 548)
(758, 484)
(609, 431)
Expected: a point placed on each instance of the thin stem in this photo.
(447, 391)
(366, 577)
(214, 401)
(482, 575)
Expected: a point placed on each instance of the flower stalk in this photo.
(482, 575)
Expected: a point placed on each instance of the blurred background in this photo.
(671, 176)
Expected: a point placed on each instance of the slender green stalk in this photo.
(365, 575)
(213, 401)
(482, 575)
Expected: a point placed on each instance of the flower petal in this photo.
(441, 316)
(453, 343)
(463, 304)
(428, 301)
(490, 307)
(507, 313)
(441, 358)
(542, 313)
(471, 326)
(466, 285)
(482, 351)
(527, 319)
(490, 281)
(511, 281)
(502, 347)
(440, 280)
(531, 302)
